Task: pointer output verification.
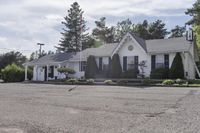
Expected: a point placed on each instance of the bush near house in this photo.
(130, 74)
(168, 82)
(159, 73)
(116, 69)
(66, 71)
(177, 70)
(109, 82)
(72, 81)
(13, 73)
(90, 81)
(91, 68)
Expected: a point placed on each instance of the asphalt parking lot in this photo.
(40, 108)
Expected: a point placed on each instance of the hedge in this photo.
(160, 73)
(132, 73)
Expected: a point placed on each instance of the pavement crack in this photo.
(73, 88)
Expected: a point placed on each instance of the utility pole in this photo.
(40, 50)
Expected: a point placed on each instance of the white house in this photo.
(132, 50)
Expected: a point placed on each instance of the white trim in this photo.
(122, 43)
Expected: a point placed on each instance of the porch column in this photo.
(35, 73)
(26, 72)
(47, 72)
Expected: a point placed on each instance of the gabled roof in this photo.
(168, 45)
(102, 51)
(140, 41)
(52, 58)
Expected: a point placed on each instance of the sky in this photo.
(24, 23)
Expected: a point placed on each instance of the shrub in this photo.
(91, 68)
(90, 81)
(147, 81)
(177, 70)
(194, 81)
(116, 69)
(179, 81)
(72, 81)
(108, 82)
(13, 73)
(122, 82)
(66, 71)
(132, 73)
(159, 73)
(168, 82)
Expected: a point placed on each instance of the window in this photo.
(159, 65)
(83, 66)
(130, 62)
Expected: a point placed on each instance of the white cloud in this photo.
(26, 22)
(3, 39)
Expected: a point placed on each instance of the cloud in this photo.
(23, 23)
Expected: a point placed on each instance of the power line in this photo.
(16, 49)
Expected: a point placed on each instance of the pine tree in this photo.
(157, 30)
(177, 70)
(102, 32)
(91, 69)
(178, 31)
(123, 28)
(195, 13)
(74, 31)
(116, 69)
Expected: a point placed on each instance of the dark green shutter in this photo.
(125, 63)
(166, 61)
(136, 62)
(100, 64)
(153, 62)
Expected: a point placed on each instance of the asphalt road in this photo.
(37, 108)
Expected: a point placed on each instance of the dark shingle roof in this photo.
(141, 41)
(53, 58)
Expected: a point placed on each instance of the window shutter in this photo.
(153, 62)
(125, 63)
(100, 64)
(136, 62)
(166, 61)
(109, 60)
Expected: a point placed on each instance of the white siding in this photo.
(137, 51)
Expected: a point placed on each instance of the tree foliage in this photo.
(143, 30)
(177, 70)
(13, 73)
(116, 69)
(157, 30)
(66, 71)
(123, 27)
(195, 13)
(74, 31)
(102, 32)
(177, 31)
(10, 58)
(91, 68)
